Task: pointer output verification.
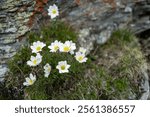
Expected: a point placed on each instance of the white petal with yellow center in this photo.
(54, 47)
(34, 61)
(63, 67)
(30, 80)
(68, 46)
(80, 57)
(53, 11)
(37, 47)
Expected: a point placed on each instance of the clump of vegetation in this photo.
(45, 88)
(120, 61)
(111, 72)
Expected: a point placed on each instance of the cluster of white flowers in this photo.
(56, 46)
(68, 46)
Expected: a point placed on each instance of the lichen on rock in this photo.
(14, 16)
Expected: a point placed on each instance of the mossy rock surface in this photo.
(120, 65)
(113, 71)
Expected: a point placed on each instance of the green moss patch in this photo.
(122, 62)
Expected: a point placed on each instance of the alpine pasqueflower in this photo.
(37, 46)
(54, 47)
(80, 57)
(34, 61)
(53, 11)
(30, 80)
(47, 70)
(68, 46)
(63, 67)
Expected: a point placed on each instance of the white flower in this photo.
(47, 70)
(82, 50)
(53, 11)
(30, 80)
(55, 46)
(68, 46)
(80, 57)
(37, 46)
(34, 61)
(63, 67)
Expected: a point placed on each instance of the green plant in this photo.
(56, 82)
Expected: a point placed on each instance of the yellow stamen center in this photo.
(66, 49)
(49, 69)
(56, 48)
(35, 62)
(63, 67)
(30, 82)
(80, 58)
(38, 48)
(54, 11)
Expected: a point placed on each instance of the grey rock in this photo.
(103, 19)
(2, 15)
(3, 71)
(128, 9)
(95, 21)
(2, 79)
(12, 10)
(105, 35)
(13, 24)
(7, 48)
(11, 30)
(145, 86)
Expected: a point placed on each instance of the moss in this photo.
(124, 35)
(122, 61)
(110, 73)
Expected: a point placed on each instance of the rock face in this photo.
(145, 43)
(14, 15)
(96, 19)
